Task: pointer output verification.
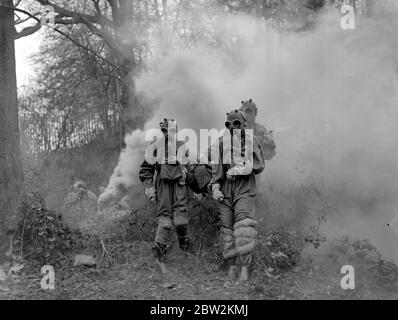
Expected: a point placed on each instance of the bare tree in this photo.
(113, 22)
(10, 155)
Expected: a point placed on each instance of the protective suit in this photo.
(234, 186)
(165, 184)
(80, 205)
(265, 137)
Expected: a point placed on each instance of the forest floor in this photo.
(194, 278)
(287, 263)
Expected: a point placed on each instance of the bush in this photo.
(278, 250)
(368, 262)
(53, 174)
(42, 237)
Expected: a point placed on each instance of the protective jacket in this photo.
(171, 196)
(266, 140)
(237, 210)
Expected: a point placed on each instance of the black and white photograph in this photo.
(197, 157)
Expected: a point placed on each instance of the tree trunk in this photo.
(11, 175)
(133, 112)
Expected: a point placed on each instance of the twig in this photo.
(104, 251)
(137, 225)
(68, 37)
(10, 251)
(22, 234)
(199, 247)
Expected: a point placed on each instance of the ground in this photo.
(288, 264)
(195, 277)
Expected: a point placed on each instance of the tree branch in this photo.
(68, 17)
(27, 31)
(19, 21)
(16, 36)
(79, 17)
(97, 7)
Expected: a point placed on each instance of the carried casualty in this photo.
(264, 136)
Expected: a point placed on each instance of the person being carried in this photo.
(264, 136)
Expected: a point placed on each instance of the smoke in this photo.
(124, 180)
(329, 95)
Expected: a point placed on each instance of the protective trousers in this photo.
(172, 206)
(237, 213)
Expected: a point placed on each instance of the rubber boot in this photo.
(183, 239)
(165, 276)
(160, 256)
(162, 265)
(184, 244)
(231, 268)
(244, 274)
(246, 260)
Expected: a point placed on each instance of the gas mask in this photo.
(239, 147)
(167, 147)
(249, 108)
(236, 120)
(169, 128)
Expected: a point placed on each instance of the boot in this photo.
(160, 256)
(244, 274)
(165, 276)
(231, 269)
(162, 265)
(184, 243)
(183, 238)
(246, 261)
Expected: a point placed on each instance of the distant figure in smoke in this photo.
(79, 205)
(165, 183)
(264, 136)
(234, 187)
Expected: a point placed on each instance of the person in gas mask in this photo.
(165, 184)
(233, 185)
(264, 136)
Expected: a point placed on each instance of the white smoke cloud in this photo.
(330, 95)
(124, 180)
